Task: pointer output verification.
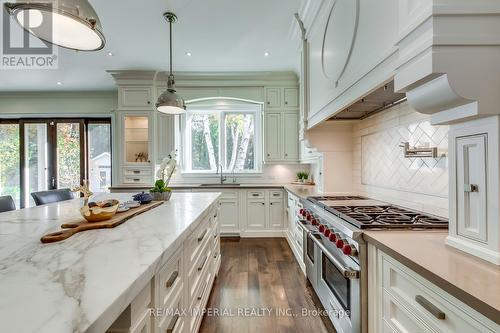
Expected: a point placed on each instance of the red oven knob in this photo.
(308, 217)
(333, 237)
(327, 232)
(340, 243)
(314, 222)
(349, 250)
(321, 228)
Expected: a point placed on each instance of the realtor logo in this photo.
(22, 50)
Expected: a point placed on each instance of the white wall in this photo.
(46, 104)
(380, 170)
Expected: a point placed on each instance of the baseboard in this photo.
(262, 233)
(473, 249)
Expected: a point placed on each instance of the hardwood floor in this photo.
(259, 278)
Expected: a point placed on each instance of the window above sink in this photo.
(223, 132)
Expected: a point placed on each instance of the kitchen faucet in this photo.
(222, 178)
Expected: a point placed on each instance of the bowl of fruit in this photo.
(100, 210)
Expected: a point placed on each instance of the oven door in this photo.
(310, 257)
(338, 288)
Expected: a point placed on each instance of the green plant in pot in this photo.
(161, 191)
(302, 176)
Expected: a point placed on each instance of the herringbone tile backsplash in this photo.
(383, 163)
(385, 173)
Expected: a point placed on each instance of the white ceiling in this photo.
(222, 35)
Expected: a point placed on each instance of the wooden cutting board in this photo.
(69, 229)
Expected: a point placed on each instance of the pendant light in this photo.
(72, 24)
(170, 102)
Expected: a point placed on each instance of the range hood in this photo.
(379, 100)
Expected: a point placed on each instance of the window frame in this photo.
(221, 107)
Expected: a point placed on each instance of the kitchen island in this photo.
(84, 283)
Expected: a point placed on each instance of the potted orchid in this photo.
(161, 191)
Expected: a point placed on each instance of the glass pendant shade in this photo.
(72, 24)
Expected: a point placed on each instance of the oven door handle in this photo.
(347, 272)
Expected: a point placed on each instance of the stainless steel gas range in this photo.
(335, 253)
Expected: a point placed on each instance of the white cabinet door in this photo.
(135, 98)
(275, 214)
(273, 98)
(471, 186)
(291, 100)
(272, 136)
(256, 214)
(291, 136)
(229, 215)
(165, 136)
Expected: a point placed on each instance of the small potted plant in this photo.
(302, 176)
(161, 191)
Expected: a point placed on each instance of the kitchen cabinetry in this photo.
(135, 148)
(282, 98)
(281, 140)
(403, 301)
(257, 213)
(293, 230)
(250, 212)
(272, 138)
(165, 136)
(185, 279)
(135, 98)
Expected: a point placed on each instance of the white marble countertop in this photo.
(83, 283)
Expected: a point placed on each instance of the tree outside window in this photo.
(215, 137)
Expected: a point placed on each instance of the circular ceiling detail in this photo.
(339, 37)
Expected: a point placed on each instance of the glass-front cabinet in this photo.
(136, 147)
(136, 139)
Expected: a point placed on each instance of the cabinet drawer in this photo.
(198, 270)
(132, 172)
(173, 320)
(256, 194)
(398, 318)
(197, 241)
(275, 194)
(136, 180)
(429, 304)
(200, 301)
(170, 280)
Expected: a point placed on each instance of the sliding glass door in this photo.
(39, 154)
(35, 160)
(10, 161)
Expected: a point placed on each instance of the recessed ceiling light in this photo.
(189, 54)
(266, 54)
(111, 54)
(59, 83)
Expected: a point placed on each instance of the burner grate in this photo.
(386, 217)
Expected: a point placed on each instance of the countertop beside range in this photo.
(82, 284)
(471, 280)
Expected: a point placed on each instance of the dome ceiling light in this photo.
(170, 102)
(72, 24)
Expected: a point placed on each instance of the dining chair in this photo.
(7, 204)
(46, 197)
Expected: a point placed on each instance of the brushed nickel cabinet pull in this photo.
(203, 292)
(136, 172)
(202, 236)
(171, 279)
(203, 264)
(434, 310)
(171, 326)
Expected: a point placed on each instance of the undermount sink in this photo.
(221, 185)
